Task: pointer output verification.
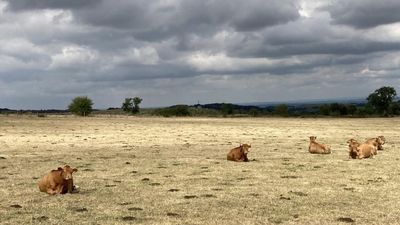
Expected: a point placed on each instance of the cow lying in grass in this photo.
(360, 151)
(317, 148)
(58, 181)
(239, 154)
(353, 144)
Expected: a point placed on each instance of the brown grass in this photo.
(174, 171)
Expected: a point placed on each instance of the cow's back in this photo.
(366, 150)
(316, 148)
(53, 177)
(234, 154)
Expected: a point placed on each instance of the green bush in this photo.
(81, 106)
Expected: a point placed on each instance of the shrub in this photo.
(81, 106)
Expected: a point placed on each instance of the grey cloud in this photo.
(364, 14)
(21, 5)
(153, 20)
(181, 51)
(336, 47)
(309, 37)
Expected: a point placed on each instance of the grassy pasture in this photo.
(174, 171)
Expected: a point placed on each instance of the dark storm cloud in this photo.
(364, 13)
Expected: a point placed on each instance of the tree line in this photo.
(379, 103)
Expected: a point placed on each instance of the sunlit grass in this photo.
(174, 171)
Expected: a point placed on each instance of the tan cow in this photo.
(353, 144)
(360, 151)
(239, 154)
(378, 142)
(317, 148)
(58, 181)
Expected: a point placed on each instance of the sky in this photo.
(187, 51)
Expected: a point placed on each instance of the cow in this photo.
(361, 151)
(317, 148)
(365, 150)
(353, 144)
(378, 142)
(239, 154)
(58, 181)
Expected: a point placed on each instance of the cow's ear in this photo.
(75, 170)
(59, 168)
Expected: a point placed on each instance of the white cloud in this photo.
(73, 57)
(147, 55)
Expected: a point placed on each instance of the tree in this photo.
(136, 102)
(131, 105)
(127, 105)
(281, 110)
(254, 112)
(81, 105)
(324, 109)
(381, 99)
(226, 109)
(394, 108)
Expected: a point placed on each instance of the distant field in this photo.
(174, 171)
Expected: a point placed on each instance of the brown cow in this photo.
(378, 142)
(360, 151)
(58, 181)
(317, 148)
(239, 154)
(353, 144)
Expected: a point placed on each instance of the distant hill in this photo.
(356, 101)
(218, 106)
(51, 111)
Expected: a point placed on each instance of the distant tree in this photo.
(381, 99)
(226, 109)
(281, 110)
(136, 102)
(131, 105)
(127, 105)
(324, 109)
(254, 112)
(394, 108)
(81, 106)
(351, 109)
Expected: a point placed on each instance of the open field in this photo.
(174, 171)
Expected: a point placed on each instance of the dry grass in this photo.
(174, 171)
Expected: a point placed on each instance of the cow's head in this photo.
(245, 148)
(67, 171)
(353, 152)
(313, 138)
(352, 142)
(381, 140)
